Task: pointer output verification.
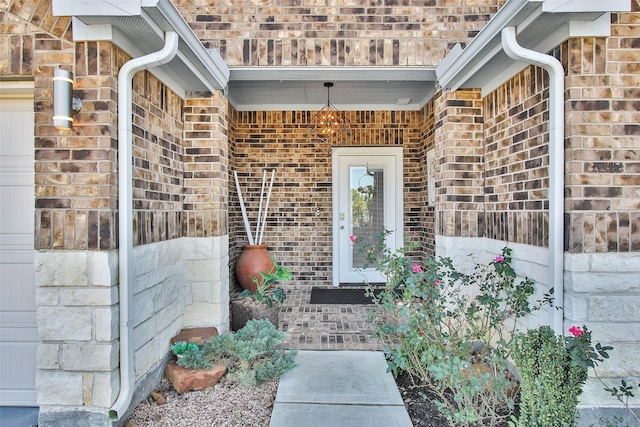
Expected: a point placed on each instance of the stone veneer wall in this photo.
(205, 222)
(336, 32)
(298, 229)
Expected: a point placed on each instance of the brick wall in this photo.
(298, 229)
(336, 32)
(603, 166)
(458, 133)
(24, 27)
(206, 166)
(158, 165)
(516, 159)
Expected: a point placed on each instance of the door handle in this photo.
(342, 227)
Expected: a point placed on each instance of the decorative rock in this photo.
(196, 336)
(184, 379)
(158, 397)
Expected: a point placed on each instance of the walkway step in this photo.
(339, 388)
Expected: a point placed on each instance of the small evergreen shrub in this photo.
(254, 354)
(194, 358)
(550, 383)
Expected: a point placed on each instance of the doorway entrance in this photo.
(367, 198)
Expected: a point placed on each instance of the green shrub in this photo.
(194, 358)
(550, 383)
(440, 325)
(254, 354)
(180, 347)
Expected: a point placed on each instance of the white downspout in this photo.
(556, 162)
(125, 212)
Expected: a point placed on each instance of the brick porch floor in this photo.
(324, 327)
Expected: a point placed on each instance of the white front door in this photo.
(18, 328)
(367, 198)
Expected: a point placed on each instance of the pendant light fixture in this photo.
(329, 126)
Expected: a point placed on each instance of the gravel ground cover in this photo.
(224, 405)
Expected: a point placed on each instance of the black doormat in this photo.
(340, 296)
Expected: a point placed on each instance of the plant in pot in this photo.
(179, 348)
(263, 302)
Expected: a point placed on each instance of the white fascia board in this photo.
(96, 7)
(564, 6)
(601, 27)
(486, 36)
(211, 59)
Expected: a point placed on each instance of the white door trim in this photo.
(396, 238)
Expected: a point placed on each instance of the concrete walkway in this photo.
(339, 389)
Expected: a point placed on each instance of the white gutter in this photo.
(125, 212)
(556, 162)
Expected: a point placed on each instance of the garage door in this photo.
(18, 327)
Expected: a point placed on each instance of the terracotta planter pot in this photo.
(252, 261)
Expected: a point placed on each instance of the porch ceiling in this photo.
(355, 88)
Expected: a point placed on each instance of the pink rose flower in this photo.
(436, 283)
(499, 258)
(352, 238)
(416, 268)
(576, 331)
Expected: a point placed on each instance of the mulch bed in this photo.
(423, 412)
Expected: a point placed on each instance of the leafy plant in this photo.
(450, 330)
(180, 347)
(553, 371)
(551, 381)
(194, 358)
(254, 354)
(266, 291)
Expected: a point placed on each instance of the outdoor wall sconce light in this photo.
(329, 126)
(65, 104)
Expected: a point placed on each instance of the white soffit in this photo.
(138, 28)
(540, 25)
(355, 88)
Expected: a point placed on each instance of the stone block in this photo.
(58, 269)
(202, 315)
(169, 314)
(196, 336)
(47, 296)
(89, 296)
(594, 282)
(64, 323)
(143, 333)
(575, 308)
(102, 268)
(59, 388)
(145, 259)
(170, 252)
(197, 248)
(193, 379)
(105, 389)
(89, 357)
(143, 303)
(614, 308)
(48, 356)
(106, 323)
(616, 262)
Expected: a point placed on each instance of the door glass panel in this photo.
(367, 210)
